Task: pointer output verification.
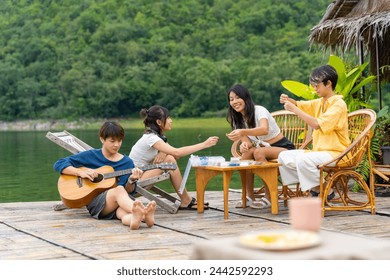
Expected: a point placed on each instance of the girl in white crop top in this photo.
(153, 148)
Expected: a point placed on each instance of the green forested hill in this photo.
(96, 58)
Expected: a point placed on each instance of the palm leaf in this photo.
(299, 89)
(339, 65)
(362, 84)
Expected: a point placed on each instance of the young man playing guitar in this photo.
(115, 201)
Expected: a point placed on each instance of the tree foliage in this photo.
(110, 58)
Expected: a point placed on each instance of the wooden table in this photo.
(268, 172)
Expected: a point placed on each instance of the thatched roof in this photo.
(345, 21)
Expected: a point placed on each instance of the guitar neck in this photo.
(117, 173)
(129, 171)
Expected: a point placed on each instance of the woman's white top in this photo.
(143, 153)
(274, 130)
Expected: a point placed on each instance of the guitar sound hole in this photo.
(97, 179)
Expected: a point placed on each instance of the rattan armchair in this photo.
(339, 174)
(297, 131)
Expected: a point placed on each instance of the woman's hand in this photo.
(244, 147)
(211, 141)
(235, 135)
(160, 157)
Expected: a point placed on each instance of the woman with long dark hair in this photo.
(260, 136)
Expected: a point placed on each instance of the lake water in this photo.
(27, 158)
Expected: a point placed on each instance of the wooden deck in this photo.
(33, 231)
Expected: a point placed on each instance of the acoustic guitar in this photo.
(77, 192)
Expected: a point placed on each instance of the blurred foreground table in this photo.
(333, 246)
(268, 172)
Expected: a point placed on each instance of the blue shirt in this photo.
(94, 159)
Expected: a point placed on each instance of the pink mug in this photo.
(305, 213)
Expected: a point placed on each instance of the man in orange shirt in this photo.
(328, 117)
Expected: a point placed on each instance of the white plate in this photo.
(280, 240)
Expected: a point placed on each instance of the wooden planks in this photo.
(34, 231)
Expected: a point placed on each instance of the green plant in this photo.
(349, 85)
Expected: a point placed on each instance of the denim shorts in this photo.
(97, 205)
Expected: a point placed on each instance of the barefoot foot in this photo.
(149, 213)
(138, 213)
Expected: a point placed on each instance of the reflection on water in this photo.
(27, 158)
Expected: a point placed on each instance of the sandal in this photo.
(249, 201)
(262, 203)
(59, 207)
(316, 194)
(193, 203)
